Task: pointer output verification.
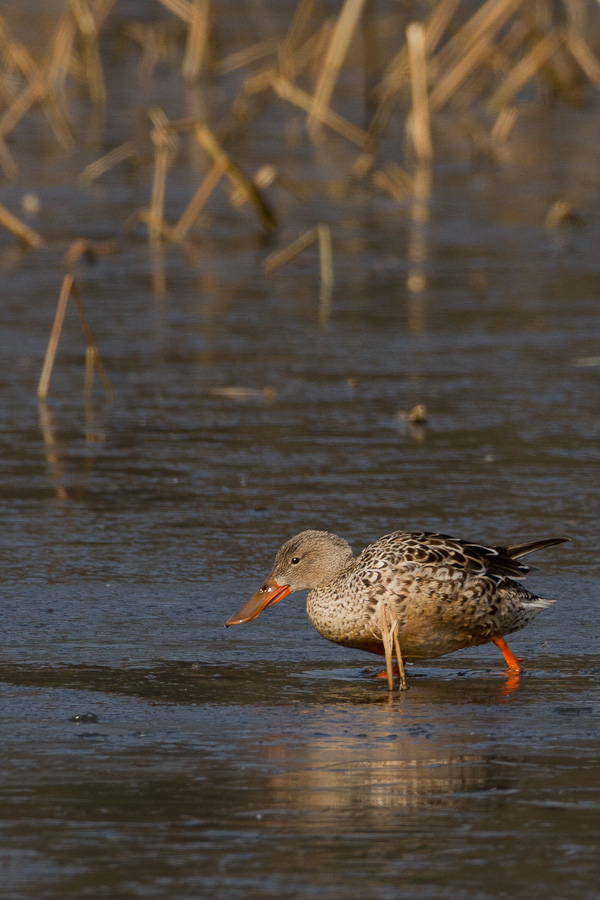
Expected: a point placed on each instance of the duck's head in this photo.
(306, 561)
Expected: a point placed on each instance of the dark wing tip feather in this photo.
(515, 551)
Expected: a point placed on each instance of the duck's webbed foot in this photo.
(514, 664)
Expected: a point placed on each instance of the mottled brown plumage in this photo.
(446, 594)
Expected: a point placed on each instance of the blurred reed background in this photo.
(392, 80)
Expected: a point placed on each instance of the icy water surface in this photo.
(148, 753)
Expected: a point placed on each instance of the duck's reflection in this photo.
(392, 760)
(384, 777)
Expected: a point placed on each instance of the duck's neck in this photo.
(335, 609)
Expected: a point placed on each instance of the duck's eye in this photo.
(295, 560)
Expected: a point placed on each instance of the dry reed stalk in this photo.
(487, 20)
(59, 318)
(59, 57)
(7, 162)
(16, 53)
(92, 63)
(526, 69)
(397, 75)
(340, 41)
(420, 124)
(504, 124)
(280, 257)
(92, 250)
(197, 40)
(20, 106)
(398, 72)
(183, 9)
(145, 216)
(510, 42)
(159, 180)
(37, 90)
(93, 357)
(308, 57)
(19, 229)
(245, 57)
(288, 91)
(470, 47)
(393, 180)
(300, 20)
(248, 189)
(452, 80)
(583, 55)
(106, 162)
(198, 201)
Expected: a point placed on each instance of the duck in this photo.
(426, 594)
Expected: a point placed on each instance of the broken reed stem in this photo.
(300, 20)
(247, 188)
(526, 68)
(159, 181)
(197, 40)
(583, 55)
(106, 162)
(280, 257)
(20, 106)
(340, 41)
(469, 47)
(19, 229)
(198, 201)
(420, 123)
(60, 54)
(451, 81)
(487, 20)
(245, 57)
(59, 318)
(7, 162)
(92, 353)
(93, 357)
(92, 62)
(288, 91)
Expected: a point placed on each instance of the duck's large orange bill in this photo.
(267, 595)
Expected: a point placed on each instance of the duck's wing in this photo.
(427, 549)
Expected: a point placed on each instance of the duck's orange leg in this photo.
(514, 664)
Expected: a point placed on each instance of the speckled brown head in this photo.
(306, 561)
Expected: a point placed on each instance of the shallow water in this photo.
(262, 761)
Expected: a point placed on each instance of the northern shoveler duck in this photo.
(427, 594)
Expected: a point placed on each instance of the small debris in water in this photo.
(245, 393)
(562, 215)
(88, 718)
(30, 204)
(418, 414)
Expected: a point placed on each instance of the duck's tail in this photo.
(519, 550)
